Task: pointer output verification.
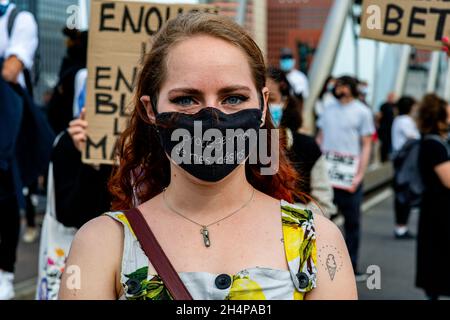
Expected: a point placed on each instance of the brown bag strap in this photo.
(156, 255)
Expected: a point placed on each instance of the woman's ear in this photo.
(265, 98)
(148, 107)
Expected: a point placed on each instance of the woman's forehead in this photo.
(204, 61)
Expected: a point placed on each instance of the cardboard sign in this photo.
(421, 23)
(342, 169)
(119, 34)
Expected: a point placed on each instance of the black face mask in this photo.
(206, 158)
(338, 96)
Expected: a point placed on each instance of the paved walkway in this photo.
(395, 258)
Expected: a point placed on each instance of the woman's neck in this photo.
(196, 199)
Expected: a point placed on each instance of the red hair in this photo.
(144, 171)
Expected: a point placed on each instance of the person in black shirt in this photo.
(433, 240)
(385, 118)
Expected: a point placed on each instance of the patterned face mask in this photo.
(204, 162)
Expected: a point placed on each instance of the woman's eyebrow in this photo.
(222, 91)
(230, 89)
(190, 91)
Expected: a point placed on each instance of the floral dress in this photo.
(141, 282)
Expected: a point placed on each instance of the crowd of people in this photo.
(237, 254)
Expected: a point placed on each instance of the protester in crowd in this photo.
(60, 107)
(303, 151)
(346, 128)
(79, 191)
(297, 79)
(325, 96)
(363, 89)
(404, 126)
(224, 91)
(433, 240)
(404, 136)
(24, 137)
(384, 119)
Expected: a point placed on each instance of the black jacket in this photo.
(80, 190)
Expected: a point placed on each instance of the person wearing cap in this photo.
(18, 44)
(296, 78)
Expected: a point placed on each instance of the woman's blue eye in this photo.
(184, 101)
(234, 100)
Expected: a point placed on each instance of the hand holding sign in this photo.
(342, 170)
(78, 130)
(446, 47)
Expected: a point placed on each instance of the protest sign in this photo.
(119, 37)
(421, 23)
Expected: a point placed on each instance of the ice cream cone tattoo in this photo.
(331, 260)
(331, 266)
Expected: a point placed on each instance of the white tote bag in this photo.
(56, 240)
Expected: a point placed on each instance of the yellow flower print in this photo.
(124, 219)
(293, 237)
(59, 252)
(298, 295)
(243, 288)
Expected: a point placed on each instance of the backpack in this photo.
(408, 179)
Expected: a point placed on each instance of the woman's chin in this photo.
(200, 182)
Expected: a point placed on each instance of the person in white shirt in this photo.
(345, 136)
(404, 128)
(297, 79)
(18, 43)
(17, 48)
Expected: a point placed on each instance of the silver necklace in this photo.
(204, 228)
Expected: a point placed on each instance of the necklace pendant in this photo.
(205, 232)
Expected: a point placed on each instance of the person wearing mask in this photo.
(345, 136)
(18, 43)
(433, 238)
(325, 96)
(219, 228)
(404, 129)
(297, 79)
(79, 191)
(303, 151)
(404, 126)
(363, 89)
(385, 118)
(60, 106)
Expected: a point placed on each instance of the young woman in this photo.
(205, 67)
(404, 129)
(303, 150)
(433, 240)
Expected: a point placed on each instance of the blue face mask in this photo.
(287, 64)
(3, 9)
(330, 87)
(276, 111)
